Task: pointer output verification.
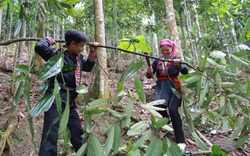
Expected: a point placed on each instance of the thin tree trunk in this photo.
(155, 45)
(10, 28)
(155, 50)
(197, 21)
(1, 15)
(194, 52)
(172, 26)
(182, 32)
(221, 34)
(102, 55)
(233, 32)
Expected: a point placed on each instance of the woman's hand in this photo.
(177, 63)
(149, 70)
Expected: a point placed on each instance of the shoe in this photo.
(182, 146)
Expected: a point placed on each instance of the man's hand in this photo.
(93, 46)
(51, 40)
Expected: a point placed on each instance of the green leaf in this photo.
(42, 105)
(117, 138)
(43, 87)
(18, 27)
(240, 61)
(204, 138)
(192, 79)
(18, 92)
(82, 89)
(109, 141)
(224, 124)
(132, 69)
(153, 109)
(173, 150)
(142, 46)
(115, 113)
(161, 122)
(227, 73)
(245, 30)
(82, 150)
(119, 86)
(140, 90)
(212, 62)
(241, 141)
(128, 110)
(97, 147)
(240, 98)
(134, 152)
(28, 106)
(230, 109)
(57, 88)
(65, 117)
(238, 128)
(65, 5)
(95, 111)
(203, 94)
(23, 68)
(154, 148)
(217, 151)
(203, 80)
(96, 104)
(137, 128)
(217, 54)
(52, 67)
(153, 120)
(20, 78)
(142, 139)
(156, 102)
(126, 45)
(218, 80)
(199, 142)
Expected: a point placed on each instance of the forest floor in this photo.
(23, 145)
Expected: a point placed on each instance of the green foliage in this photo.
(222, 80)
(53, 66)
(217, 151)
(137, 43)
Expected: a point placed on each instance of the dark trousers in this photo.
(163, 91)
(49, 147)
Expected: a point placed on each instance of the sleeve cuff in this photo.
(92, 56)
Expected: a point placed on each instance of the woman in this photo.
(166, 73)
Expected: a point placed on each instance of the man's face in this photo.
(76, 49)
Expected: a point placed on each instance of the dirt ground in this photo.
(23, 145)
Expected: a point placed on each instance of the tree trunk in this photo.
(115, 36)
(1, 15)
(155, 50)
(172, 26)
(197, 21)
(182, 32)
(187, 13)
(102, 55)
(155, 45)
(10, 28)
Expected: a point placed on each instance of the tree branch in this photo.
(24, 39)
(108, 47)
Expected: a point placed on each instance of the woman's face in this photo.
(166, 51)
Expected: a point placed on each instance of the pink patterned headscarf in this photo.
(169, 43)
